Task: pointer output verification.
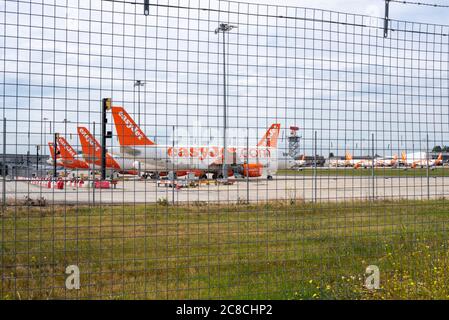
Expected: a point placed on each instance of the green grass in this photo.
(276, 250)
(361, 172)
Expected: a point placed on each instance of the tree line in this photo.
(440, 149)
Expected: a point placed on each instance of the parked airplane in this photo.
(300, 163)
(386, 162)
(66, 156)
(420, 159)
(134, 144)
(92, 154)
(378, 162)
(346, 162)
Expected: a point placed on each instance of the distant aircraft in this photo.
(386, 162)
(346, 162)
(354, 163)
(378, 162)
(420, 159)
(301, 162)
(162, 159)
(66, 156)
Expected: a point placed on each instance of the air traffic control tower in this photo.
(293, 143)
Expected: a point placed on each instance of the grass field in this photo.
(272, 251)
(361, 172)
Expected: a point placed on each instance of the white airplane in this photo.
(419, 159)
(300, 163)
(378, 162)
(252, 161)
(386, 162)
(337, 163)
(346, 162)
(356, 163)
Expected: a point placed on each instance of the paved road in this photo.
(335, 188)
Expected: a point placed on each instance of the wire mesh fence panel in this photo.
(221, 150)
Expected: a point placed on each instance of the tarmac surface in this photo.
(306, 188)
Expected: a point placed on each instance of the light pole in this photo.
(65, 121)
(45, 127)
(224, 27)
(138, 84)
(49, 123)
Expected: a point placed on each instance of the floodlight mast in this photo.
(224, 27)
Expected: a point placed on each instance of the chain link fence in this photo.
(221, 150)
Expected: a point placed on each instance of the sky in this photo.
(346, 83)
(376, 8)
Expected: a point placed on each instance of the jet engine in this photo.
(252, 170)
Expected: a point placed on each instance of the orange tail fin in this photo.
(91, 147)
(128, 132)
(67, 152)
(270, 139)
(51, 146)
(348, 156)
(52, 150)
(403, 156)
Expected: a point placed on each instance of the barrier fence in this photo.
(221, 150)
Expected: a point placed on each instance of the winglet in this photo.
(128, 132)
(270, 138)
(348, 156)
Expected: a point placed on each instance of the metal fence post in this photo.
(55, 163)
(4, 163)
(247, 164)
(427, 167)
(93, 173)
(373, 180)
(173, 168)
(37, 160)
(314, 168)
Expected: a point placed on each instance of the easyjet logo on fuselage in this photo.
(135, 130)
(214, 152)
